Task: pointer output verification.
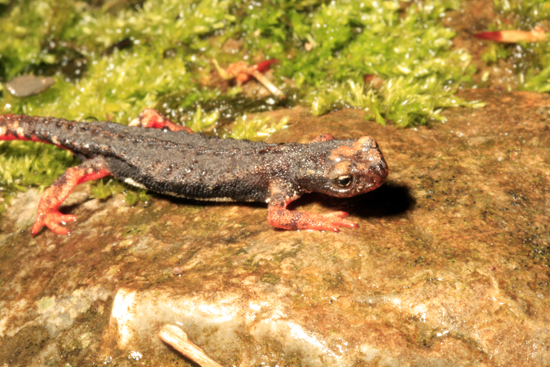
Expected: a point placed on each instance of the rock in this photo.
(29, 85)
(450, 264)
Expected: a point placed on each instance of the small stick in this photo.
(242, 72)
(178, 339)
(270, 86)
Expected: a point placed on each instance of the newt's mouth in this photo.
(372, 171)
(378, 175)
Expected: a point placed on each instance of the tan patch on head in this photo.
(363, 144)
(344, 151)
(366, 142)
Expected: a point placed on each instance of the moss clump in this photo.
(399, 100)
(531, 61)
(256, 128)
(346, 40)
(203, 122)
(529, 12)
(352, 39)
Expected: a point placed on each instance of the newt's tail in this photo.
(33, 128)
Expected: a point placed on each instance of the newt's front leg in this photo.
(48, 213)
(280, 217)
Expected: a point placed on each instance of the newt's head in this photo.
(353, 169)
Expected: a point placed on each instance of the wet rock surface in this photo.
(450, 264)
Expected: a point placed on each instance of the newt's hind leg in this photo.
(48, 213)
(151, 118)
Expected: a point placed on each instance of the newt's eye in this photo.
(344, 180)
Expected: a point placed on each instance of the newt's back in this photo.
(91, 138)
(176, 163)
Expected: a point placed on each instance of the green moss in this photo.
(494, 52)
(400, 100)
(529, 11)
(256, 128)
(537, 76)
(349, 40)
(203, 122)
(531, 60)
(538, 82)
(131, 198)
(106, 187)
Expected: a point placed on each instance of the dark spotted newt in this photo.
(163, 157)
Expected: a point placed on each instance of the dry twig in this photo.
(241, 72)
(178, 339)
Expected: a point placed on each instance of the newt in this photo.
(158, 155)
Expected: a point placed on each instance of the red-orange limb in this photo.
(151, 118)
(280, 217)
(48, 213)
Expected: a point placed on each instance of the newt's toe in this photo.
(53, 221)
(333, 221)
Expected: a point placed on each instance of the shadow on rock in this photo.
(389, 200)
